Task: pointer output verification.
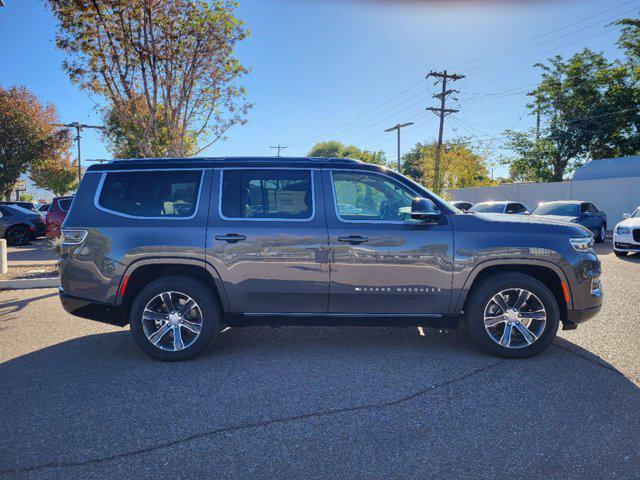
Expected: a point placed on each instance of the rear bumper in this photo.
(92, 310)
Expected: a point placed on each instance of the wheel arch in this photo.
(140, 273)
(548, 273)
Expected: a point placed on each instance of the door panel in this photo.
(269, 264)
(384, 262)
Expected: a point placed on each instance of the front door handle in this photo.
(353, 239)
(231, 237)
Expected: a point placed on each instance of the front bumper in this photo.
(92, 310)
(624, 242)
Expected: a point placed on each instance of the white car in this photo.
(626, 235)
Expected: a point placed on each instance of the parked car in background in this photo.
(462, 205)
(27, 205)
(511, 208)
(56, 215)
(576, 211)
(626, 235)
(43, 207)
(19, 225)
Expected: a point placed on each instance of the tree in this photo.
(532, 161)
(166, 69)
(460, 167)
(27, 135)
(58, 175)
(333, 148)
(26, 197)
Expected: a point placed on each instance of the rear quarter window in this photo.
(151, 194)
(65, 204)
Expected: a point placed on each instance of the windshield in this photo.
(21, 210)
(561, 209)
(636, 214)
(488, 207)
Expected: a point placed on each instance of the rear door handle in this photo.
(231, 237)
(353, 239)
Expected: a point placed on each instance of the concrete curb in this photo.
(23, 283)
(32, 263)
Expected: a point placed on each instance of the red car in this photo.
(56, 215)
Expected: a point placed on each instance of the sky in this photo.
(349, 69)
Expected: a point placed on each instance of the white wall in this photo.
(614, 196)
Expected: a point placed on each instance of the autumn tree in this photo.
(58, 175)
(460, 166)
(336, 149)
(165, 68)
(27, 135)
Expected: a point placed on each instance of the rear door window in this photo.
(263, 194)
(65, 204)
(151, 194)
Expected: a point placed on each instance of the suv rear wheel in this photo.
(512, 315)
(174, 318)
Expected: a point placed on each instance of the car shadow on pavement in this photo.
(343, 396)
(607, 248)
(9, 309)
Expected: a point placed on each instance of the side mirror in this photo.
(626, 215)
(425, 210)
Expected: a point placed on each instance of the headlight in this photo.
(623, 230)
(73, 237)
(582, 244)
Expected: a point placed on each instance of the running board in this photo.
(342, 319)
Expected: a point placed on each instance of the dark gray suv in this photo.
(182, 248)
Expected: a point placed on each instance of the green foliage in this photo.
(589, 108)
(333, 148)
(26, 197)
(460, 167)
(27, 135)
(166, 69)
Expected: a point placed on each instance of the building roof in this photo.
(622, 167)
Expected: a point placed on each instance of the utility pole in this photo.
(441, 112)
(279, 147)
(535, 94)
(397, 127)
(79, 127)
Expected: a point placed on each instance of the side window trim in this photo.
(311, 171)
(386, 177)
(96, 197)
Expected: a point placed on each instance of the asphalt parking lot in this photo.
(80, 400)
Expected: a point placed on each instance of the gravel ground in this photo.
(81, 401)
(39, 271)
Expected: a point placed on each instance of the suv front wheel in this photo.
(512, 315)
(174, 318)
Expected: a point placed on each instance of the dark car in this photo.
(507, 207)
(19, 225)
(26, 205)
(56, 215)
(583, 213)
(181, 248)
(462, 205)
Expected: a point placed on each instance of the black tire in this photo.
(18, 235)
(480, 297)
(193, 288)
(620, 254)
(601, 236)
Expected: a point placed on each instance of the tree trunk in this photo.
(558, 169)
(7, 195)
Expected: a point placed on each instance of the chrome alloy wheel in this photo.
(172, 321)
(515, 318)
